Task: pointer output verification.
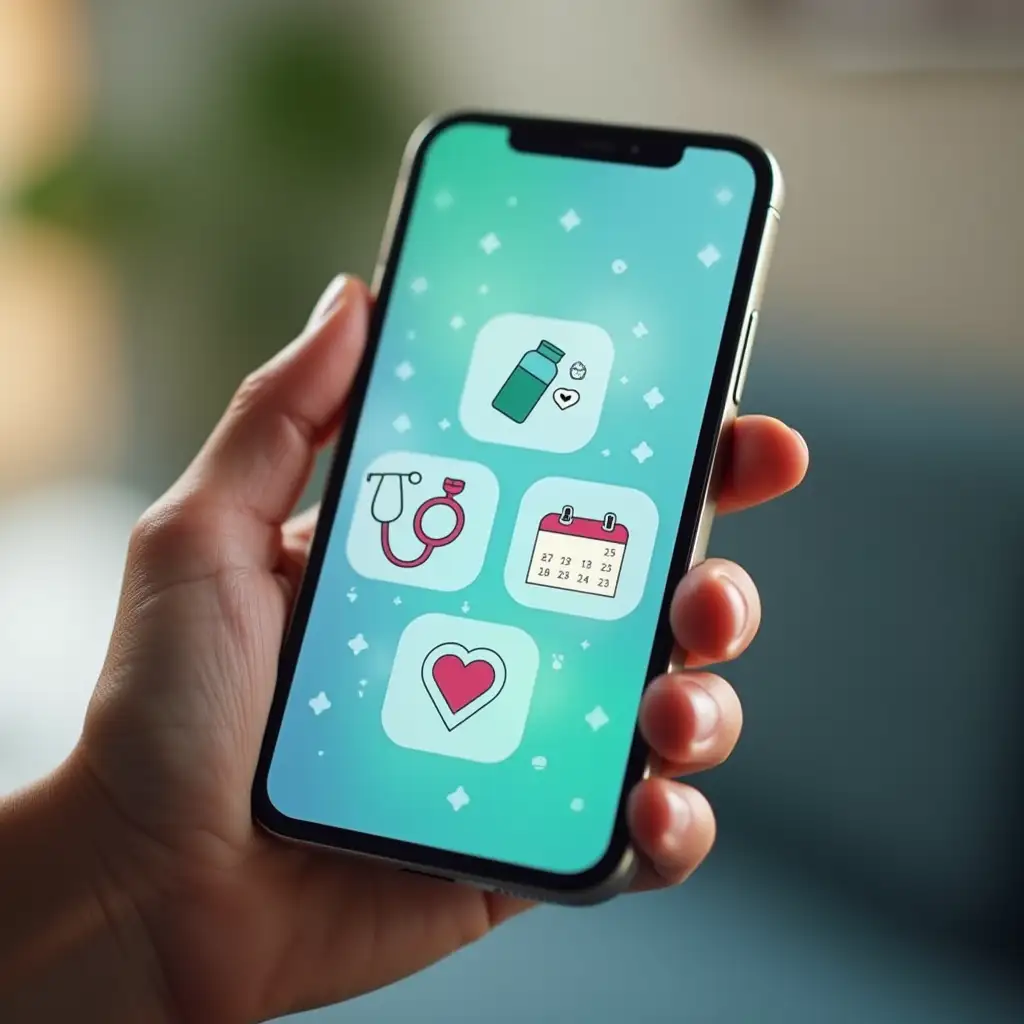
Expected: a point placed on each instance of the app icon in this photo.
(422, 520)
(536, 382)
(573, 553)
(581, 548)
(460, 688)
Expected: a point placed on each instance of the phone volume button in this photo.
(748, 344)
(764, 258)
(377, 278)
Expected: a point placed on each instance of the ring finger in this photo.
(691, 721)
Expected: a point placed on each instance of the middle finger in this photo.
(715, 613)
(691, 721)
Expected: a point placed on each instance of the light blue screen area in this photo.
(551, 803)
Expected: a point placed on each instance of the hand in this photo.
(231, 925)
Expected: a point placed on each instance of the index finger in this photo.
(763, 459)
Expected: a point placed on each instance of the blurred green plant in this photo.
(222, 236)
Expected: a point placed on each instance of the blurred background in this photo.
(179, 181)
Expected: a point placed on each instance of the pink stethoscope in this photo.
(385, 515)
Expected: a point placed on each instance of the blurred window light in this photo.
(43, 82)
(901, 35)
(59, 345)
(62, 550)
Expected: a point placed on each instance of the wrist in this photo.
(72, 941)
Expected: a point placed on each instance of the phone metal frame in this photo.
(614, 871)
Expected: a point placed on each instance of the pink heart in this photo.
(461, 684)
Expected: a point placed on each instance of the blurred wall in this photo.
(903, 217)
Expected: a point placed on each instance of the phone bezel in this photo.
(612, 870)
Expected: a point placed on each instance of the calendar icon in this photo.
(578, 554)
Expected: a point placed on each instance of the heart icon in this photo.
(566, 398)
(461, 682)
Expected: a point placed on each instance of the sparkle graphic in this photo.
(352, 595)
(465, 607)
(320, 703)
(709, 255)
(585, 645)
(358, 644)
(458, 799)
(512, 201)
(640, 330)
(457, 322)
(397, 601)
(402, 423)
(597, 719)
(490, 243)
(443, 199)
(411, 335)
(623, 380)
(654, 398)
(569, 220)
(576, 804)
(419, 285)
(606, 452)
(539, 763)
(724, 195)
(403, 371)
(619, 266)
(642, 452)
(444, 424)
(483, 289)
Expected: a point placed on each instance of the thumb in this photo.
(260, 455)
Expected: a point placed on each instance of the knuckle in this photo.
(174, 534)
(253, 389)
(152, 525)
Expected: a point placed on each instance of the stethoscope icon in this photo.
(388, 504)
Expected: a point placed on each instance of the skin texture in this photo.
(168, 890)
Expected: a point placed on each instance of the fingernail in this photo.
(741, 612)
(680, 815)
(803, 440)
(705, 713)
(327, 303)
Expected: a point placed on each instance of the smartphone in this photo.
(563, 321)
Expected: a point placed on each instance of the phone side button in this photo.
(377, 279)
(748, 344)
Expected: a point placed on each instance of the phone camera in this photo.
(634, 150)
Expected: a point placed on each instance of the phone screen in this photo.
(475, 651)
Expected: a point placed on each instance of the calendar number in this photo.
(547, 557)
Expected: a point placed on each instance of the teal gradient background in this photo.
(339, 768)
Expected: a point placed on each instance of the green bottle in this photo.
(528, 382)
